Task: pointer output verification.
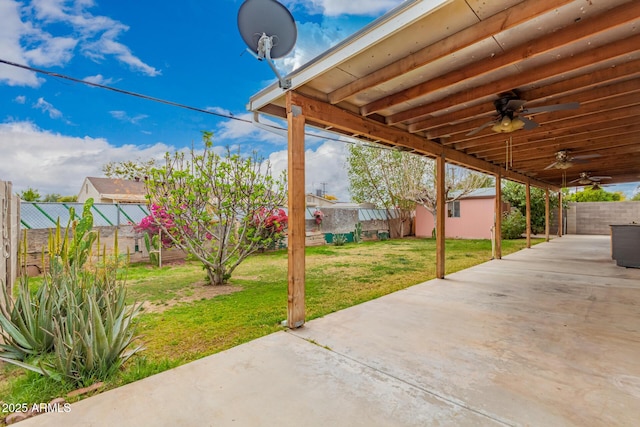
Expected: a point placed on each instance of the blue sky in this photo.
(54, 132)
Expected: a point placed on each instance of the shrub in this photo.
(339, 239)
(78, 327)
(513, 224)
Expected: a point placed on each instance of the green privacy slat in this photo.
(35, 205)
(103, 217)
(124, 213)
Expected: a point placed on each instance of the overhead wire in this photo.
(174, 104)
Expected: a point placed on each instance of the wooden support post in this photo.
(498, 215)
(547, 211)
(528, 210)
(296, 197)
(560, 214)
(441, 208)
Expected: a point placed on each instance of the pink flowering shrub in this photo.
(273, 220)
(151, 224)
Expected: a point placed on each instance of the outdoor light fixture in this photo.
(508, 124)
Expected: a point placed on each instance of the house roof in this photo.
(118, 188)
(481, 193)
(427, 73)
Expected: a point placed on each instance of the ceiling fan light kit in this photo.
(507, 125)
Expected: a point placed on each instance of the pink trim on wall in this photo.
(475, 221)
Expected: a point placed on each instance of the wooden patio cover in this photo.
(426, 74)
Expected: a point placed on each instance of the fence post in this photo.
(9, 234)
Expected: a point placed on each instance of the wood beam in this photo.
(560, 218)
(565, 125)
(527, 198)
(591, 103)
(547, 212)
(532, 49)
(581, 140)
(497, 235)
(588, 58)
(330, 115)
(440, 216)
(584, 82)
(488, 27)
(296, 200)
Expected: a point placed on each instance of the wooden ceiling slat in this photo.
(604, 139)
(597, 100)
(584, 59)
(597, 116)
(606, 76)
(499, 22)
(543, 45)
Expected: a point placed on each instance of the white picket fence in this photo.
(9, 234)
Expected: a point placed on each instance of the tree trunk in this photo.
(216, 276)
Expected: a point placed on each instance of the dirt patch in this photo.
(195, 292)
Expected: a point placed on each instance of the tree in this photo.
(223, 208)
(53, 197)
(401, 180)
(129, 169)
(636, 197)
(30, 195)
(588, 194)
(386, 178)
(514, 193)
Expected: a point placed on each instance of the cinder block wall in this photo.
(596, 217)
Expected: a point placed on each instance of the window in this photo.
(453, 209)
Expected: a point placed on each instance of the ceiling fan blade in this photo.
(479, 128)
(579, 160)
(528, 123)
(549, 108)
(515, 104)
(551, 166)
(586, 156)
(575, 180)
(599, 178)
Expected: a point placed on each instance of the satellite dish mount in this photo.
(265, 44)
(269, 30)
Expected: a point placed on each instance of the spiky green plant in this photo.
(89, 327)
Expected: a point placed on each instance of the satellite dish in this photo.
(269, 30)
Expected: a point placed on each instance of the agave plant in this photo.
(26, 325)
(91, 342)
(78, 327)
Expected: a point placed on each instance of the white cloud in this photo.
(55, 163)
(219, 110)
(25, 38)
(50, 50)
(98, 79)
(246, 131)
(11, 32)
(324, 164)
(48, 108)
(20, 99)
(123, 116)
(342, 7)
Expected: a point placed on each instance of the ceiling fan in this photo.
(511, 114)
(587, 179)
(564, 160)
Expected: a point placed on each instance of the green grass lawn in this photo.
(186, 320)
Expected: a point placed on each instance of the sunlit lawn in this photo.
(185, 327)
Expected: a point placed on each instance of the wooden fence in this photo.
(9, 233)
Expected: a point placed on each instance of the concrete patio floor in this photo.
(548, 336)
